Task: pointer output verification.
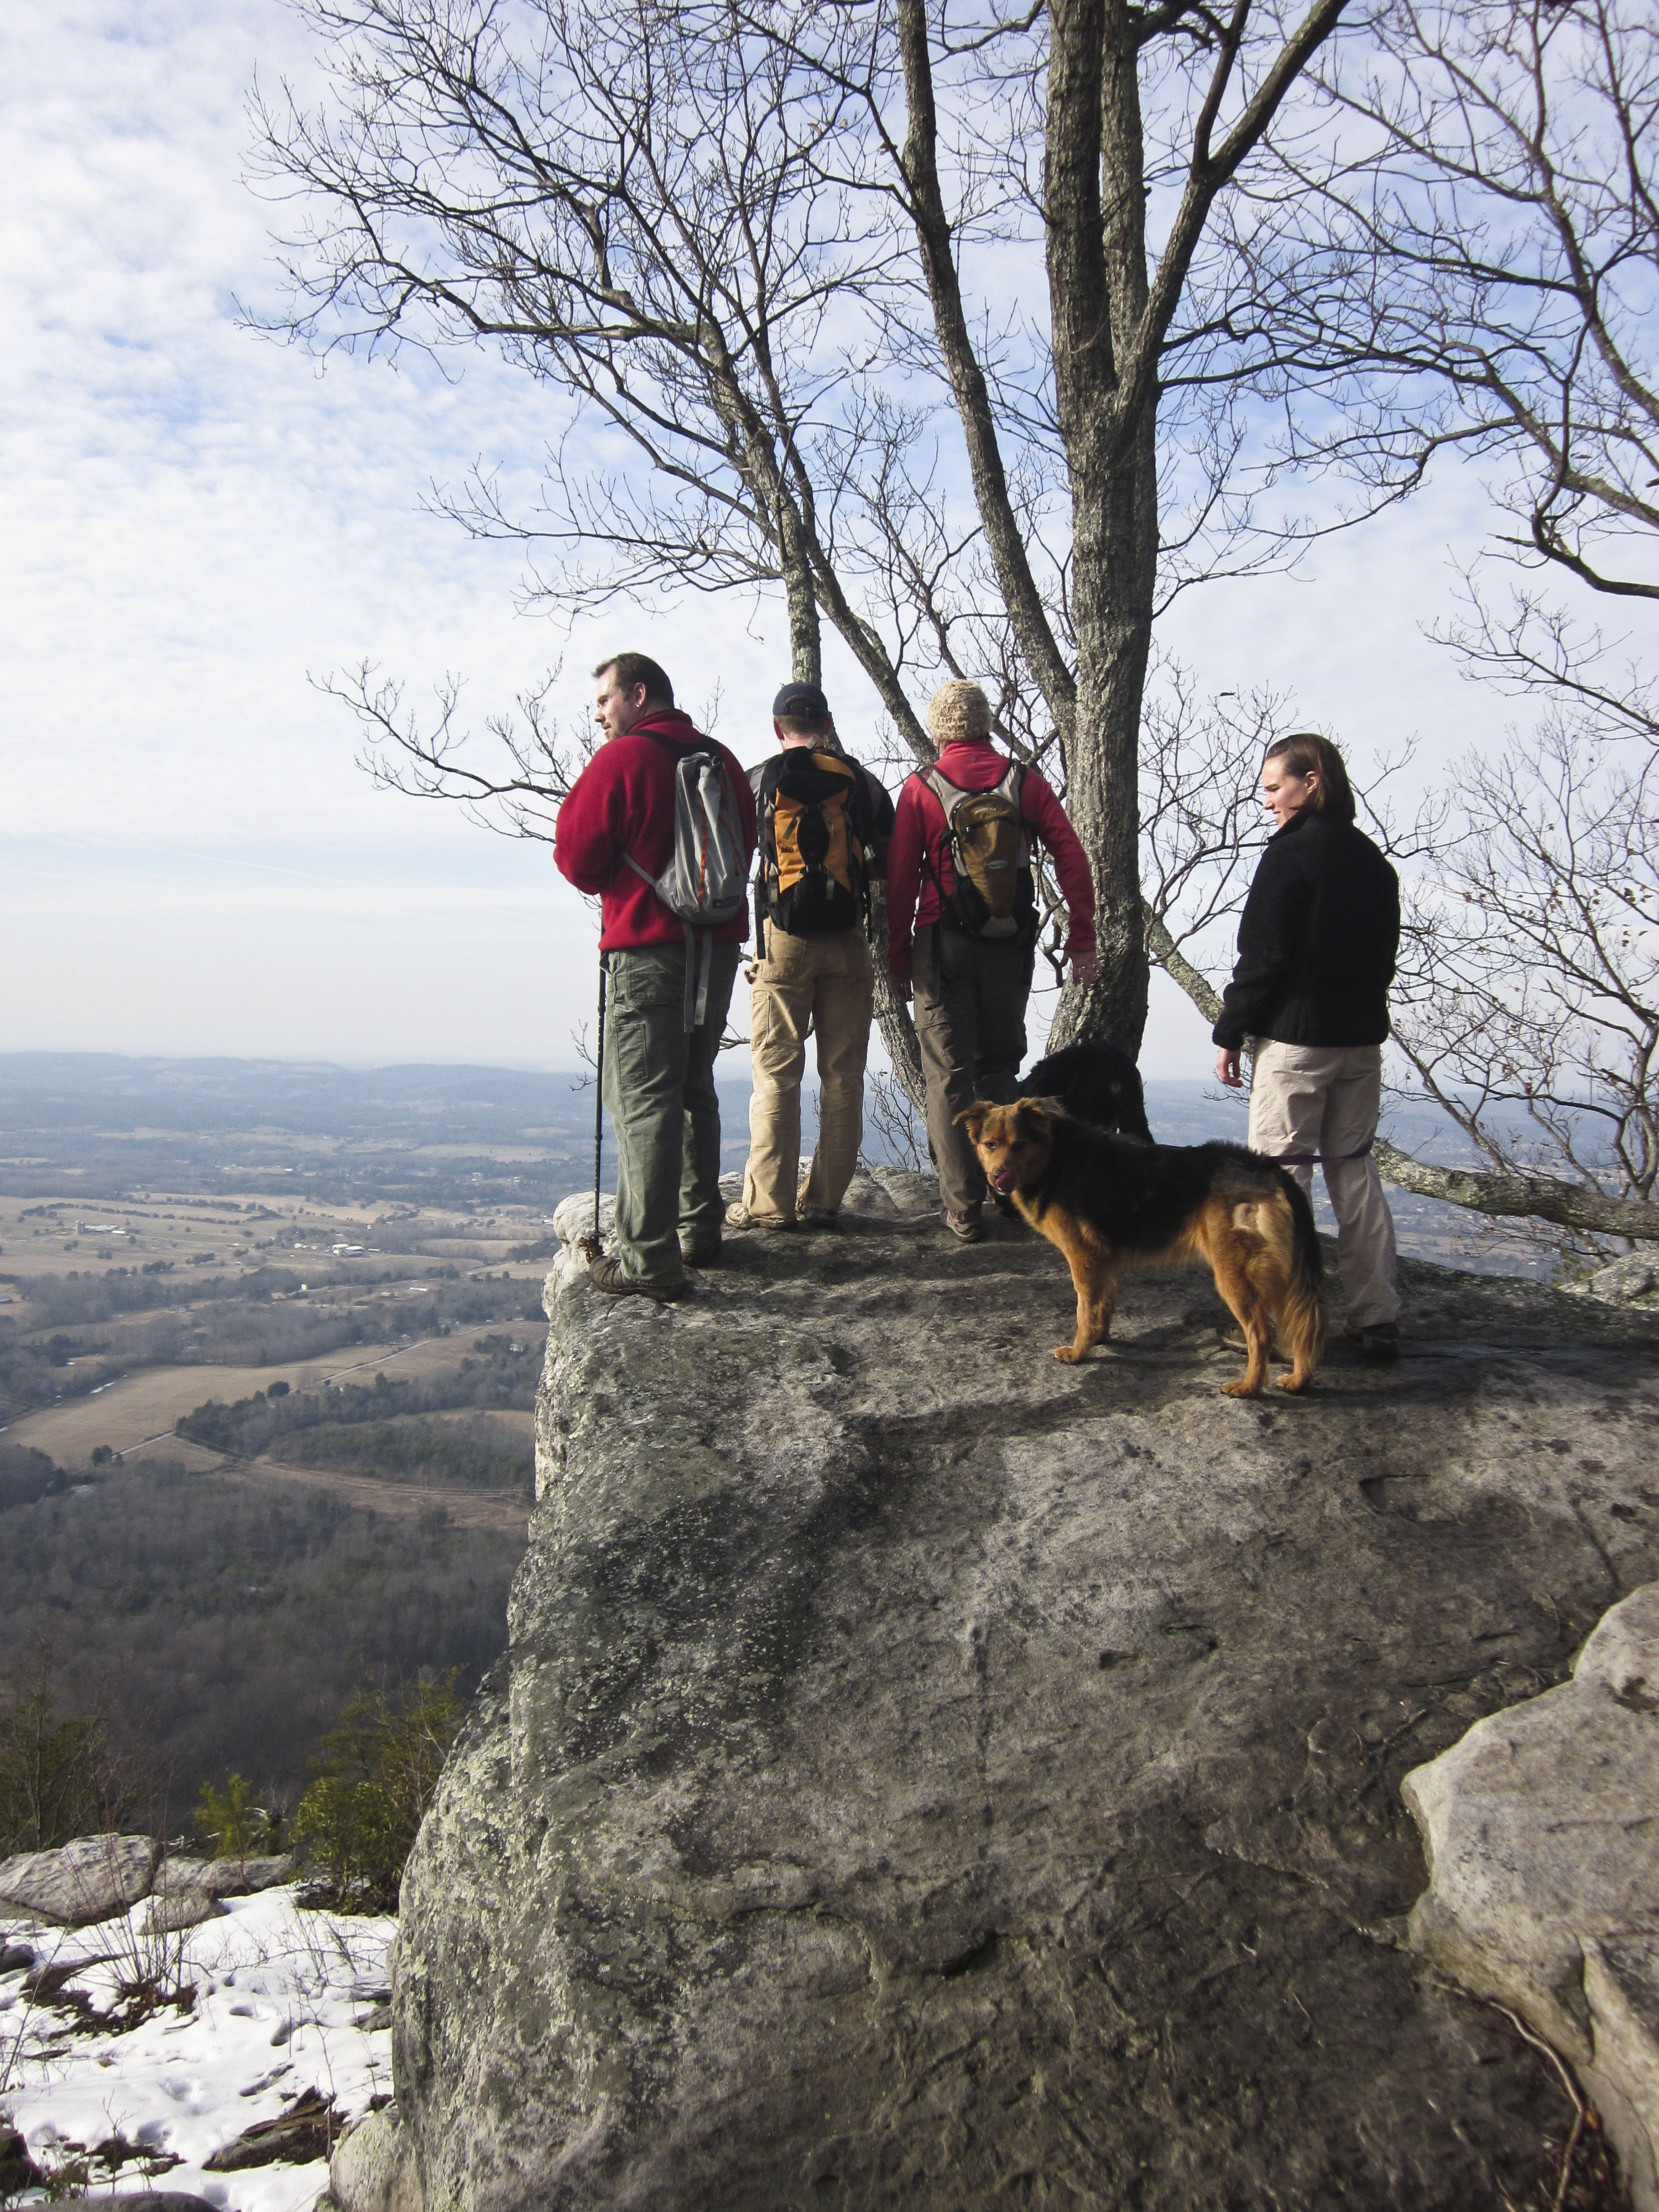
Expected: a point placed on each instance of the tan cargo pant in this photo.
(806, 985)
(1315, 1103)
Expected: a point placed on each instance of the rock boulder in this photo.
(80, 1882)
(1541, 1829)
(925, 1775)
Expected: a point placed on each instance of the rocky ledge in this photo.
(923, 1774)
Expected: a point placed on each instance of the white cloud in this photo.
(196, 518)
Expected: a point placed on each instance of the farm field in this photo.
(269, 1344)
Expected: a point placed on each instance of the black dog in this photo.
(1094, 1082)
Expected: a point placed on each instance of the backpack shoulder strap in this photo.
(674, 748)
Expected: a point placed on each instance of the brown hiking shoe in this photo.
(738, 1215)
(607, 1275)
(1378, 1340)
(966, 1228)
(813, 1216)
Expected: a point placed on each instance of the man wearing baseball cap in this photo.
(823, 822)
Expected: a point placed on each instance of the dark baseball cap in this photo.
(800, 702)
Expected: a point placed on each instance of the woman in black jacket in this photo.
(1317, 948)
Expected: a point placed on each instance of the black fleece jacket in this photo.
(1318, 940)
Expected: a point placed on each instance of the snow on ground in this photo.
(284, 2002)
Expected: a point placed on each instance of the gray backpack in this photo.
(707, 872)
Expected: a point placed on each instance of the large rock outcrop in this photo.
(923, 1774)
(1542, 1828)
(80, 1882)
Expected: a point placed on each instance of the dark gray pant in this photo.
(660, 1090)
(971, 994)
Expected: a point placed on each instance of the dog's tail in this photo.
(1290, 1229)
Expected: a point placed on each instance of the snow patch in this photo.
(285, 2000)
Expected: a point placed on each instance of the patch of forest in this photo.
(504, 1378)
(215, 1626)
(477, 1454)
(84, 1330)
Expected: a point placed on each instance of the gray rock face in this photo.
(226, 1877)
(180, 1905)
(80, 1882)
(1541, 1828)
(1621, 1281)
(573, 1218)
(372, 2169)
(925, 1775)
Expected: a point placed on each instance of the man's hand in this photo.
(901, 986)
(1227, 1068)
(1085, 966)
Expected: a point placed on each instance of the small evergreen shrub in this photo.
(233, 1824)
(380, 1765)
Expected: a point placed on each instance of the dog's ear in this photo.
(1031, 1117)
(972, 1118)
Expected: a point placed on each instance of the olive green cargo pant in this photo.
(660, 1091)
(971, 994)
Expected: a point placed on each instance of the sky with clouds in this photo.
(199, 522)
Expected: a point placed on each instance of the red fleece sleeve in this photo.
(587, 840)
(1046, 817)
(903, 878)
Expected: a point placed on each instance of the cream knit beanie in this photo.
(958, 710)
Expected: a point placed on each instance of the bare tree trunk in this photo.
(1094, 196)
(806, 643)
(898, 1029)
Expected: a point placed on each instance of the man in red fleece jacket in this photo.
(659, 1074)
(970, 992)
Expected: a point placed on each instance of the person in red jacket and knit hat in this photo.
(971, 987)
(658, 1072)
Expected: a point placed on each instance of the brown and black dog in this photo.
(1107, 1203)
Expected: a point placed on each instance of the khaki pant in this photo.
(971, 994)
(1315, 1103)
(806, 985)
(665, 1112)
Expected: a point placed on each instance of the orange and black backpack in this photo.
(814, 823)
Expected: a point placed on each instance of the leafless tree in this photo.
(743, 240)
(768, 256)
(1485, 248)
(1531, 1010)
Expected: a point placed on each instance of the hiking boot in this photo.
(703, 1252)
(607, 1275)
(966, 1228)
(738, 1215)
(1378, 1340)
(817, 1219)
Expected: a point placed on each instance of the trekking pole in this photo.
(594, 1244)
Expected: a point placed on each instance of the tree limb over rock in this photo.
(1573, 1206)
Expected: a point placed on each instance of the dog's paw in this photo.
(1243, 1389)
(1289, 1383)
(1069, 1353)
